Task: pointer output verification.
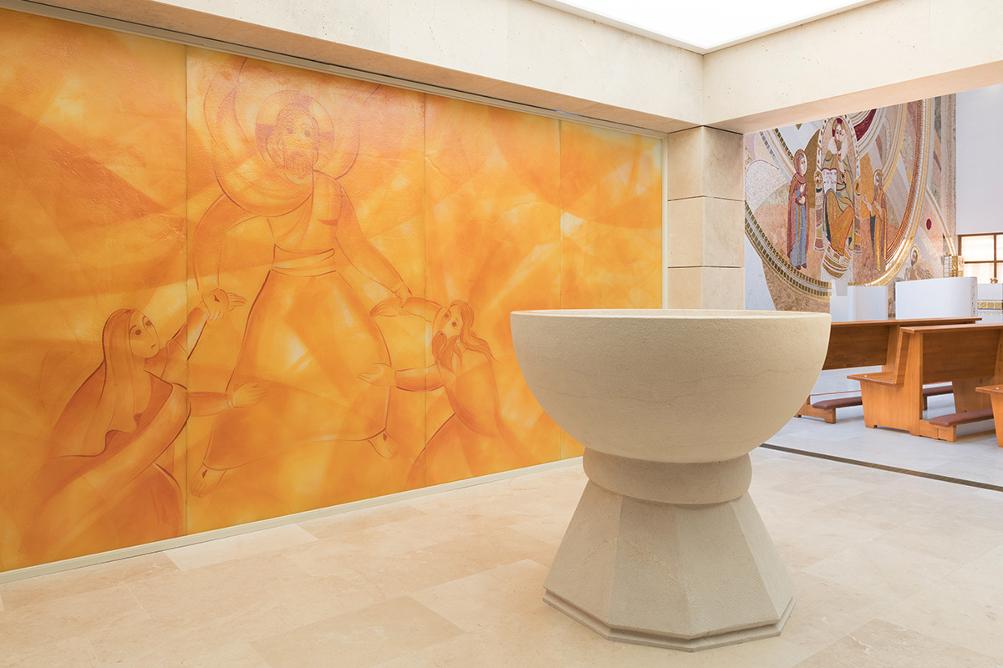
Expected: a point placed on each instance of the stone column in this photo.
(706, 219)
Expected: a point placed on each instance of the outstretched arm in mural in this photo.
(207, 251)
(362, 254)
(419, 380)
(171, 363)
(212, 403)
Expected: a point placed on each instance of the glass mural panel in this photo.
(96, 328)
(233, 290)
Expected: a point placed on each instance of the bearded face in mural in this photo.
(835, 192)
(294, 143)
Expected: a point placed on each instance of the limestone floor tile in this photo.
(886, 571)
(827, 488)
(804, 540)
(362, 638)
(346, 524)
(236, 601)
(952, 541)
(878, 644)
(965, 608)
(512, 589)
(32, 627)
(241, 545)
(73, 651)
(824, 610)
(233, 655)
(410, 571)
(773, 502)
(548, 528)
(80, 580)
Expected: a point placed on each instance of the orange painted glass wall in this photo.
(233, 290)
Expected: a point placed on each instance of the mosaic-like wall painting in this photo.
(233, 290)
(860, 199)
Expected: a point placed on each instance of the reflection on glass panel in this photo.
(977, 248)
(981, 270)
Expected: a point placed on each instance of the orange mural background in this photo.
(234, 290)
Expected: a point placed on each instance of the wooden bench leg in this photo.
(997, 403)
(827, 414)
(941, 433)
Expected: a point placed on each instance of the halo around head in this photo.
(337, 149)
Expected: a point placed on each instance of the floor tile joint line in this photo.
(884, 467)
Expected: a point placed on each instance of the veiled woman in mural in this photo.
(797, 213)
(309, 338)
(474, 440)
(108, 480)
(878, 208)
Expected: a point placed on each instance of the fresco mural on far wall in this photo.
(865, 198)
(233, 290)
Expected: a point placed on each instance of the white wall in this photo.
(980, 160)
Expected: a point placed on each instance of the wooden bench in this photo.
(865, 343)
(964, 355)
(995, 393)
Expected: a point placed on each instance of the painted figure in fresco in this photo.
(837, 190)
(309, 337)
(474, 440)
(916, 271)
(878, 209)
(797, 213)
(108, 480)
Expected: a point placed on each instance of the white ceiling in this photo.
(703, 25)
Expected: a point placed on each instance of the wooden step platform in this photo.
(944, 427)
(826, 408)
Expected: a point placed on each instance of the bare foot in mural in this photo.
(384, 445)
(206, 480)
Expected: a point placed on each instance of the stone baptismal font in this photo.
(666, 548)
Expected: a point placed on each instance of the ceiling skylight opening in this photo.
(703, 25)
